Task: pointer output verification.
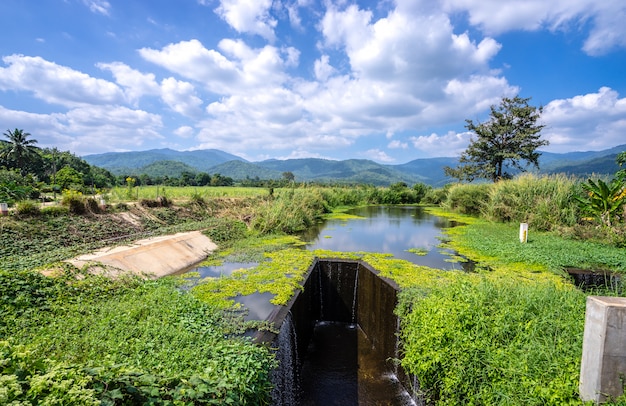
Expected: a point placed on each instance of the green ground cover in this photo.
(510, 333)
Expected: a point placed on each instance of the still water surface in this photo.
(388, 229)
(383, 229)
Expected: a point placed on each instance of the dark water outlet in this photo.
(338, 340)
(590, 280)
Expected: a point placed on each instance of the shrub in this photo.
(227, 230)
(74, 201)
(92, 205)
(55, 211)
(467, 198)
(544, 202)
(495, 342)
(436, 196)
(27, 208)
(289, 212)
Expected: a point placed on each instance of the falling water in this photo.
(356, 284)
(319, 281)
(286, 378)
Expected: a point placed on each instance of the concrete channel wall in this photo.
(342, 291)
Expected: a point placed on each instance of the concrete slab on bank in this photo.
(157, 256)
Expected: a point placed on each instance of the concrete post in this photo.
(603, 365)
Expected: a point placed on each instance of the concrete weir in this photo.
(158, 256)
(351, 295)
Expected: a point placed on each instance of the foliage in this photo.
(620, 175)
(544, 202)
(87, 341)
(15, 187)
(605, 201)
(18, 151)
(436, 196)
(467, 199)
(289, 212)
(69, 178)
(74, 201)
(478, 341)
(496, 245)
(227, 230)
(27, 208)
(509, 139)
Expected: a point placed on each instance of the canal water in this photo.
(392, 230)
(332, 371)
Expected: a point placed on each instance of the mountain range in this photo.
(161, 162)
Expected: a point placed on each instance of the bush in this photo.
(227, 230)
(467, 198)
(500, 342)
(27, 208)
(55, 211)
(92, 205)
(74, 201)
(436, 196)
(544, 202)
(289, 212)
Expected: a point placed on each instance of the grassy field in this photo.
(123, 194)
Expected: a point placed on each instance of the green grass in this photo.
(121, 194)
(78, 341)
(497, 245)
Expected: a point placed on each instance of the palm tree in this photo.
(18, 149)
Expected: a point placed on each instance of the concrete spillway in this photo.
(158, 256)
(338, 341)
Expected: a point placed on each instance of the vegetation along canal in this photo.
(339, 336)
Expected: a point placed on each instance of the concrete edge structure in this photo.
(603, 364)
(155, 257)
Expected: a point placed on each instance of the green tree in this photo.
(288, 176)
(18, 151)
(69, 178)
(509, 139)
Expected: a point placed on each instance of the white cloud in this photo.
(135, 83)
(593, 121)
(184, 131)
(397, 144)
(88, 129)
(378, 155)
(248, 68)
(181, 97)
(98, 6)
(449, 144)
(408, 69)
(323, 69)
(605, 18)
(249, 16)
(56, 84)
(193, 61)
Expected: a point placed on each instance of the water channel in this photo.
(336, 365)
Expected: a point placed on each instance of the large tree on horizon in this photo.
(509, 138)
(18, 150)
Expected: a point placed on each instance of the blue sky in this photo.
(385, 80)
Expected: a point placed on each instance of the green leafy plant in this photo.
(603, 200)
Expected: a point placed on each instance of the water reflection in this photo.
(258, 305)
(226, 269)
(388, 229)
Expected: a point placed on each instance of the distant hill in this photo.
(161, 162)
(241, 170)
(428, 170)
(126, 163)
(172, 169)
